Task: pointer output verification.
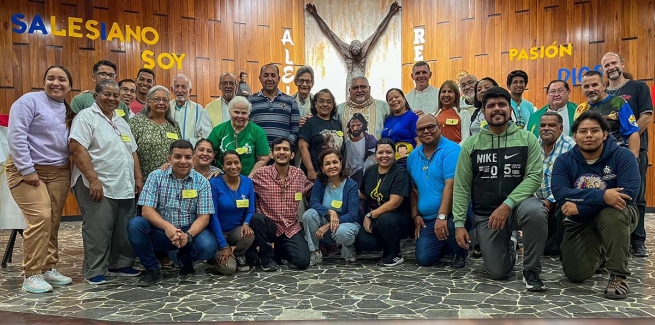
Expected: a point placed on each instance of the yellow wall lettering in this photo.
(513, 53)
(539, 52)
(115, 32)
(93, 32)
(568, 50)
(130, 33)
(74, 26)
(178, 59)
(149, 41)
(160, 61)
(146, 56)
(53, 27)
(523, 55)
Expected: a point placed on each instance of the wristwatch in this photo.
(442, 217)
(369, 216)
(190, 238)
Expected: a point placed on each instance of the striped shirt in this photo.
(562, 145)
(177, 201)
(278, 117)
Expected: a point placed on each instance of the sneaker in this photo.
(392, 260)
(54, 277)
(617, 288)
(638, 250)
(96, 280)
(315, 257)
(125, 271)
(352, 258)
(186, 264)
(532, 281)
(476, 252)
(149, 278)
(516, 249)
(268, 264)
(457, 262)
(36, 284)
(242, 265)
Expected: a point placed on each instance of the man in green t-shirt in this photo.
(102, 70)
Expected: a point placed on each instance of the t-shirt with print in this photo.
(378, 188)
(249, 143)
(637, 94)
(321, 134)
(402, 130)
(618, 115)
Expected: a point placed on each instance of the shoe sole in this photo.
(394, 263)
(96, 283)
(59, 283)
(115, 275)
(32, 290)
(533, 288)
(615, 296)
(147, 284)
(269, 269)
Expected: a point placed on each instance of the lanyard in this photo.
(186, 105)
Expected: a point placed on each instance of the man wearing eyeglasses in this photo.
(217, 109)
(558, 92)
(360, 101)
(127, 91)
(102, 70)
(467, 87)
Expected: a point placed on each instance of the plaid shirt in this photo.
(163, 192)
(562, 145)
(277, 200)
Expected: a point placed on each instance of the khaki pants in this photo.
(233, 238)
(42, 207)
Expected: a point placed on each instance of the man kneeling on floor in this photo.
(595, 183)
(177, 203)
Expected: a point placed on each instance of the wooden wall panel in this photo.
(476, 36)
(217, 36)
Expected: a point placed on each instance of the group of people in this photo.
(458, 168)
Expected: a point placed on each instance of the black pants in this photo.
(639, 235)
(555, 231)
(294, 249)
(388, 230)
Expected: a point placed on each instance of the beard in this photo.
(356, 133)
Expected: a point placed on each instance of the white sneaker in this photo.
(54, 277)
(36, 284)
(514, 242)
(352, 258)
(315, 257)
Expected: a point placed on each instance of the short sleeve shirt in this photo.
(249, 143)
(153, 141)
(321, 134)
(378, 188)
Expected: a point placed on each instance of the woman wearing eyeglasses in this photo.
(154, 130)
(106, 178)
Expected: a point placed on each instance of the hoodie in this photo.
(574, 180)
(494, 169)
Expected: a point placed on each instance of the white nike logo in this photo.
(507, 157)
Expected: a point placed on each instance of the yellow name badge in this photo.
(336, 204)
(242, 150)
(298, 196)
(125, 137)
(339, 133)
(243, 203)
(120, 112)
(189, 194)
(452, 121)
(172, 135)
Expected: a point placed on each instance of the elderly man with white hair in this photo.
(192, 118)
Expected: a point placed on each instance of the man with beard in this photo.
(558, 92)
(637, 94)
(102, 70)
(218, 110)
(617, 112)
(599, 220)
(553, 143)
(274, 111)
(498, 171)
(423, 98)
(359, 146)
(190, 116)
(145, 79)
(280, 187)
(467, 87)
(522, 109)
(360, 101)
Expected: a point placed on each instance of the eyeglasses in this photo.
(356, 88)
(593, 131)
(304, 81)
(429, 128)
(128, 90)
(554, 92)
(106, 75)
(467, 84)
(228, 83)
(159, 100)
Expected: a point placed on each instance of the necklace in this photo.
(617, 90)
(334, 187)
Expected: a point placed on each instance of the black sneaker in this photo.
(186, 264)
(638, 250)
(268, 264)
(392, 260)
(242, 265)
(457, 262)
(149, 278)
(532, 281)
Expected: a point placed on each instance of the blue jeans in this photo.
(344, 236)
(143, 237)
(430, 250)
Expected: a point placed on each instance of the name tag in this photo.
(120, 112)
(125, 137)
(452, 121)
(339, 133)
(242, 150)
(298, 196)
(336, 204)
(172, 135)
(189, 194)
(243, 203)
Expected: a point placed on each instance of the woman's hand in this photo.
(334, 221)
(321, 231)
(165, 166)
(367, 225)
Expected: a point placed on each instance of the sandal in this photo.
(617, 288)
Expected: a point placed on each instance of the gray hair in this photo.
(560, 120)
(104, 84)
(225, 74)
(305, 69)
(147, 110)
(357, 77)
(180, 75)
(239, 100)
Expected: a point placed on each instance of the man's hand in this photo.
(95, 190)
(547, 204)
(419, 112)
(303, 120)
(394, 7)
(32, 179)
(246, 231)
(498, 218)
(173, 234)
(570, 209)
(184, 239)
(418, 224)
(614, 198)
(311, 8)
(224, 256)
(441, 229)
(138, 185)
(311, 175)
(462, 237)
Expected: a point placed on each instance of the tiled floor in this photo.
(334, 290)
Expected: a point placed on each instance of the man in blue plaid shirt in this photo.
(553, 143)
(177, 203)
